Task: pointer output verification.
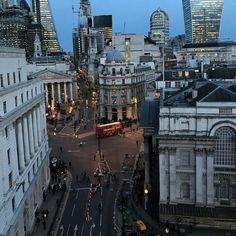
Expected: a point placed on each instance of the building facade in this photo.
(196, 145)
(202, 20)
(122, 87)
(43, 15)
(24, 151)
(159, 27)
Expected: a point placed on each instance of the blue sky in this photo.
(135, 15)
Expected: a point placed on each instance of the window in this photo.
(28, 177)
(1, 80)
(113, 71)
(113, 82)
(123, 81)
(14, 77)
(185, 190)
(16, 104)
(6, 132)
(36, 91)
(113, 99)
(10, 179)
(225, 149)
(22, 98)
(9, 156)
(27, 95)
(19, 76)
(168, 84)
(32, 93)
(8, 79)
(224, 189)
(225, 110)
(121, 71)
(5, 107)
(13, 203)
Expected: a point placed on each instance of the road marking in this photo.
(100, 219)
(73, 150)
(75, 229)
(77, 194)
(73, 210)
(82, 231)
(67, 232)
(100, 233)
(62, 230)
(85, 188)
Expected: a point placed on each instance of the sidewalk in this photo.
(54, 203)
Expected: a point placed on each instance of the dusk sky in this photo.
(135, 15)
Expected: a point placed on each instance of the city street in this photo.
(89, 210)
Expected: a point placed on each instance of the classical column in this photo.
(172, 173)
(65, 94)
(46, 93)
(31, 134)
(59, 92)
(39, 124)
(35, 129)
(163, 162)
(210, 177)
(199, 187)
(53, 94)
(26, 140)
(20, 146)
(71, 93)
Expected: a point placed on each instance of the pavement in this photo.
(54, 203)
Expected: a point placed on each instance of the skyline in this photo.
(138, 23)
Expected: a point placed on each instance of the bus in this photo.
(107, 130)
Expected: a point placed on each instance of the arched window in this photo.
(225, 153)
(113, 71)
(121, 71)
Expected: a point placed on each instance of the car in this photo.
(140, 225)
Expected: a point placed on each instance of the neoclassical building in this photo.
(24, 151)
(197, 156)
(59, 86)
(122, 87)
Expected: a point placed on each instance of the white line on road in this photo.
(73, 210)
(82, 231)
(100, 219)
(67, 232)
(77, 193)
(100, 233)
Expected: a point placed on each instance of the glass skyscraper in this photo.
(202, 20)
(43, 16)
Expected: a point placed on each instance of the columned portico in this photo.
(199, 169)
(35, 129)
(210, 175)
(163, 183)
(65, 93)
(46, 93)
(53, 93)
(31, 134)
(39, 124)
(59, 92)
(20, 146)
(26, 140)
(172, 174)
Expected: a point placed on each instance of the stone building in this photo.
(24, 151)
(122, 87)
(196, 148)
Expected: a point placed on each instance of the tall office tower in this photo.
(202, 20)
(103, 24)
(159, 27)
(43, 16)
(24, 151)
(14, 22)
(85, 18)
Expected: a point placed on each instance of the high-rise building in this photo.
(103, 24)
(159, 27)
(43, 16)
(14, 23)
(24, 151)
(202, 20)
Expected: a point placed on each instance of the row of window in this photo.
(10, 80)
(22, 99)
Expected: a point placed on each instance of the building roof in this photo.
(114, 55)
(207, 45)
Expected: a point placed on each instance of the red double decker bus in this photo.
(107, 130)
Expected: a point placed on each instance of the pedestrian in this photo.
(77, 178)
(88, 180)
(94, 157)
(70, 164)
(61, 149)
(44, 196)
(85, 174)
(44, 224)
(137, 143)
